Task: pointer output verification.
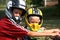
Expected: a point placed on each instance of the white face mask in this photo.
(17, 18)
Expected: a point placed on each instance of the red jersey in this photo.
(9, 31)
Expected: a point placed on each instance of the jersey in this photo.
(9, 31)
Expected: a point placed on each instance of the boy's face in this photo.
(34, 19)
(17, 15)
(17, 12)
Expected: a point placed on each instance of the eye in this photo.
(32, 22)
(16, 12)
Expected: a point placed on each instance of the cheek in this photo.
(14, 14)
(31, 20)
(37, 21)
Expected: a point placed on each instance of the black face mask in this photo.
(17, 19)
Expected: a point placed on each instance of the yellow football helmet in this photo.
(34, 12)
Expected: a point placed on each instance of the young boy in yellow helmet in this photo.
(34, 20)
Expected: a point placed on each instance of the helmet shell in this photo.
(15, 4)
(12, 4)
(33, 12)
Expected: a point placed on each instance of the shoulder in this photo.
(4, 21)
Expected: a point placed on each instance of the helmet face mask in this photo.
(34, 12)
(15, 4)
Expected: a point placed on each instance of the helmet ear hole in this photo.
(23, 13)
(11, 9)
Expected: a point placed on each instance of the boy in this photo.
(34, 20)
(9, 25)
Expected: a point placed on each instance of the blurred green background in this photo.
(51, 13)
